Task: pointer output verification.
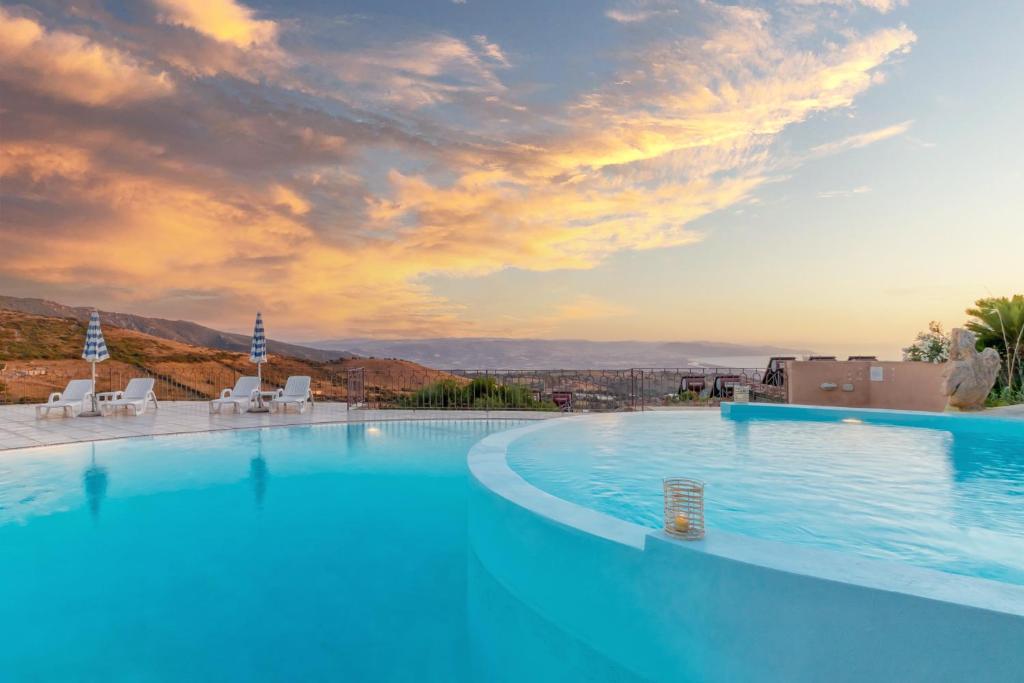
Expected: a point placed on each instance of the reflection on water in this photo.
(355, 435)
(978, 455)
(741, 435)
(95, 479)
(258, 472)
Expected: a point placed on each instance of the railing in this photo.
(385, 387)
(592, 390)
(355, 387)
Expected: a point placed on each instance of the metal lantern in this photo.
(684, 508)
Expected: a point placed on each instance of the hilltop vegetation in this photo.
(24, 337)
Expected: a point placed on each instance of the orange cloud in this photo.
(41, 161)
(284, 196)
(72, 67)
(223, 20)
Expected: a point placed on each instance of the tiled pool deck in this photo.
(1008, 411)
(19, 427)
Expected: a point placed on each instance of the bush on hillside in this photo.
(483, 393)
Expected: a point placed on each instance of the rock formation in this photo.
(969, 375)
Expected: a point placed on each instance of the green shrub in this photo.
(483, 393)
(929, 347)
(1004, 396)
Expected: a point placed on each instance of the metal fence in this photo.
(385, 387)
(561, 390)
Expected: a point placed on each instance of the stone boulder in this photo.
(969, 375)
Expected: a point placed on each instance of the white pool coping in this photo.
(19, 427)
(488, 464)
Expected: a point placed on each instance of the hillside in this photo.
(174, 330)
(540, 354)
(39, 354)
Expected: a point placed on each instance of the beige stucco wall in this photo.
(904, 385)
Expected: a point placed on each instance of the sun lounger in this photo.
(296, 392)
(245, 395)
(723, 385)
(76, 397)
(775, 373)
(136, 396)
(693, 383)
(563, 400)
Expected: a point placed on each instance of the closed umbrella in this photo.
(95, 350)
(258, 349)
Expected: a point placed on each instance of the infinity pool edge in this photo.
(912, 597)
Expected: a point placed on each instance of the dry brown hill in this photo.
(183, 331)
(39, 354)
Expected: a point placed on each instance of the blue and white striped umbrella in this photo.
(95, 349)
(258, 349)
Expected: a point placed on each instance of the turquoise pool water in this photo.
(301, 554)
(952, 501)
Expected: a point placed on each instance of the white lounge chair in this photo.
(135, 396)
(296, 392)
(76, 397)
(245, 394)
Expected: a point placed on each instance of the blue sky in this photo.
(823, 173)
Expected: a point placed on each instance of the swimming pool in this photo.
(947, 498)
(311, 553)
(371, 552)
(794, 607)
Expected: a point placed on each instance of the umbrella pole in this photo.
(95, 404)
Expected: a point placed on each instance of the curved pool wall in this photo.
(731, 607)
(952, 422)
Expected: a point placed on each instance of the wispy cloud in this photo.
(640, 11)
(833, 194)
(883, 6)
(417, 73)
(861, 139)
(491, 50)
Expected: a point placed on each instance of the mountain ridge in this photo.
(439, 352)
(184, 331)
(546, 354)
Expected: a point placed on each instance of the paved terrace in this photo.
(19, 427)
(1007, 411)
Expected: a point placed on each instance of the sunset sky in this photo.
(830, 174)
